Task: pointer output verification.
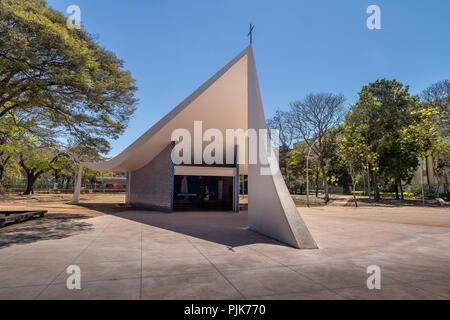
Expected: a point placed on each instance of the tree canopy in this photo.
(311, 119)
(58, 89)
(381, 140)
(77, 87)
(389, 130)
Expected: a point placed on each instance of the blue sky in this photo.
(172, 47)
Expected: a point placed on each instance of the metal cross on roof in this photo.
(250, 34)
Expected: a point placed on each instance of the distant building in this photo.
(112, 183)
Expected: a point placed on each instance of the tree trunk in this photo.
(69, 183)
(376, 191)
(368, 183)
(364, 184)
(401, 190)
(396, 191)
(57, 180)
(325, 186)
(2, 173)
(354, 193)
(2, 187)
(325, 182)
(438, 191)
(31, 179)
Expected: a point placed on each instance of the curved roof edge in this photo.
(115, 162)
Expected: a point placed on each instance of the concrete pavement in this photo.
(212, 255)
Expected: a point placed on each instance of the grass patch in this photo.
(298, 202)
(243, 199)
(302, 203)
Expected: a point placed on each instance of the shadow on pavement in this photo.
(49, 227)
(221, 227)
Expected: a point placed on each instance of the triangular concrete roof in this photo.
(228, 100)
(221, 102)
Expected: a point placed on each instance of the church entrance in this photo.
(203, 193)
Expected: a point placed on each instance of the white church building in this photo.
(167, 169)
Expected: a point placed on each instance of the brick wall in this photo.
(151, 186)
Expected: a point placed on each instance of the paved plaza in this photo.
(213, 255)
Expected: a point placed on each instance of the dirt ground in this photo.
(100, 203)
(90, 204)
(417, 215)
(97, 204)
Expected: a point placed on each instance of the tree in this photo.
(311, 119)
(395, 127)
(337, 170)
(63, 75)
(422, 135)
(441, 166)
(295, 167)
(280, 122)
(438, 96)
(76, 153)
(354, 151)
(35, 161)
(13, 133)
(363, 118)
(8, 136)
(63, 170)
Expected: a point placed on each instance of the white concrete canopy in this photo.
(228, 100)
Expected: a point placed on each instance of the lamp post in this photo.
(307, 172)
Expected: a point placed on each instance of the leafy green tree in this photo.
(63, 75)
(438, 96)
(296, 167)
(65, 168)
(13, 133)
(361, 126)
(441, 166)
(355, 152)
(35, 161)
(336, 168)
(415, 141)
(8, 136)
(395, 127)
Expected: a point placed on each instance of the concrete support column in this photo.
(127, 196)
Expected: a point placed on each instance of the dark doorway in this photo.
(203, 193)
